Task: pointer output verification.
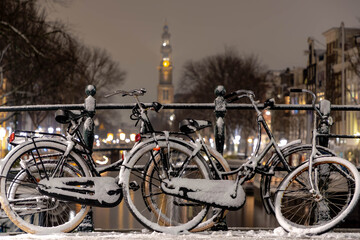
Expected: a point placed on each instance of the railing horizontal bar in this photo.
(338, 136)
(41, 107)
(231, 106)
(112, 149)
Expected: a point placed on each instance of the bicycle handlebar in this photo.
(299, 90)
(239, 93)
(243, 93)
(134, 92)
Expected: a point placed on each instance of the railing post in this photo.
(220, 111)
(90, 104)
(87, 225)
(325, 122)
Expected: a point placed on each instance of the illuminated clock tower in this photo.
(165, 87)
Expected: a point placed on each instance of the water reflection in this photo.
(251, 215)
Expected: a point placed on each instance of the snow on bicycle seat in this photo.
(190, 125)
(65, 116)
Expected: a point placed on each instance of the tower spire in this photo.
(165, 87)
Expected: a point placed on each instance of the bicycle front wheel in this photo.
(25, 206)
(141, 178)
(299, 208)
(294, 156)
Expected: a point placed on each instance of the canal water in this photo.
(252, 214)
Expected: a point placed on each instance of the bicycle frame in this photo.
(75, 141)
(248, 169)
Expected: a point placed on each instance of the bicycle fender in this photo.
(25, 144)
(290, 144)
(152, 141)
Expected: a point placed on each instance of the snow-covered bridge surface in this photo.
(278, 234)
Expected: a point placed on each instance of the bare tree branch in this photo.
(23, 37)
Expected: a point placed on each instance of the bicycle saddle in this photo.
(190, 125)
(65, 116)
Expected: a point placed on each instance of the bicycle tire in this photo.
(18, 188)
(214, 214)
(270, 183)
(167, 213)
(299, 210)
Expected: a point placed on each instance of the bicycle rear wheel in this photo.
(141, 178)
(214, 214)
(24, 205)
(298, 209)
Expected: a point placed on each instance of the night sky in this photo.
(276, 31)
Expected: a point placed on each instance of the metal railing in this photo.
(219, 106)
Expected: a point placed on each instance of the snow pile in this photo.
(276, 234)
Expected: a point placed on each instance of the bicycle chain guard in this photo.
(93, 191)
(217, 193)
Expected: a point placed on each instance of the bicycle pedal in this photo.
(134, 186)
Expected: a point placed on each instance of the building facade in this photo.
(342, 82)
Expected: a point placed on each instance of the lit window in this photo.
(165, 94)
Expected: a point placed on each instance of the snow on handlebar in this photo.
(135, 92)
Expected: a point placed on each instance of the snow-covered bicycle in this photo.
(48, 180)
(318, 194)
(311, 199)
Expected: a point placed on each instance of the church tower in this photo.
(165, 87)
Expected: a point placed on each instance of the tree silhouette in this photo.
(45, 64)
(233, 71)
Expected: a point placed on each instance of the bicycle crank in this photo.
(93, 191)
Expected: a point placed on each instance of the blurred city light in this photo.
(237, 139)
(132, 137)
(2, 133)
(122, 136)
(110, 137)
(50, 130)
(172, 117)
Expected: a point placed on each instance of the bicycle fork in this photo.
(314, 186)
